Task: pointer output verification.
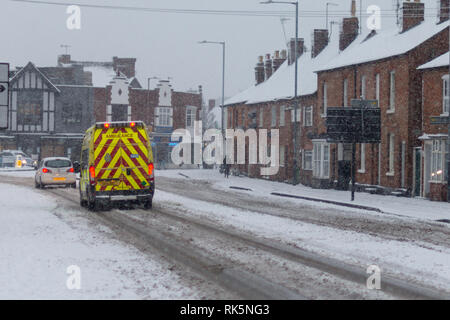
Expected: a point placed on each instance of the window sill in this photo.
(361, 171)
(323, 115)
(390, 174)
(438, 182)
(445, 114)
(390, 111)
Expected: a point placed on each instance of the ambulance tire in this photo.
(148, 204)
(94, 205)
(83, 203)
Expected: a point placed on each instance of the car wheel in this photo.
(41, 186)
(73, 185)
(36, 185)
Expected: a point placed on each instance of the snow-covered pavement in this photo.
(40, 240)
(401, 206)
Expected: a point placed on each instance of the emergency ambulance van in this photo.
(116, 165)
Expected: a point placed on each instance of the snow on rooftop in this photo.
(281, 84)
(385, 43)
(441, 61)
(101, 75)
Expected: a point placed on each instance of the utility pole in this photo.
(295, 159)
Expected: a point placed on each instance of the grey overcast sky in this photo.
(164, 44)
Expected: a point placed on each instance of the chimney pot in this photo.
(268, 66)
(259, 70)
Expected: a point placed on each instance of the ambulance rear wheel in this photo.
(148, 204)
(83, 203)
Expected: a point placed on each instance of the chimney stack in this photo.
(64, 59)
(125, 65)
(268, 66)
(259, 70)
(412, 14)
(300, 46)
(444, 10)
(278, 60)
(349, 32)
(320, 41)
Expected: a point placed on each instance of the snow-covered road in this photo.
(40, 239)
(409, 248)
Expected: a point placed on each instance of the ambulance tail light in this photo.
(151, 168)
(92, 174)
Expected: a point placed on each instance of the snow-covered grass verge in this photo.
(39, 240)
(408, 207)
(426, 263)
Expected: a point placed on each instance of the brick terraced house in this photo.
(431, 167)
(380, 65)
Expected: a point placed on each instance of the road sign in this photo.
(358, 103)
(440, 120)
(354, 125)
(4, 95)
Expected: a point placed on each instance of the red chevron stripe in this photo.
(139, 150)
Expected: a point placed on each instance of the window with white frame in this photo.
(307, 160)
(345, 93)
(282, 115)
(274, 117)
(363, 87)
(324, 99)
(445, 97)
(391, 151)
(190, 117)
(438, 162)
(362, 167)
(308, 116)
(164, 117)
(299, 111)
(321, 160)
(392, 91)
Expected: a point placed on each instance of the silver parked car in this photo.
(55, 171)
(15, 158)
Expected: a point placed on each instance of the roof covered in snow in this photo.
(280, 85)
(101, 75)
(384, 43)
(441, 61)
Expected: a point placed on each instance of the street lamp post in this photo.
(295, 160)
(223, 77)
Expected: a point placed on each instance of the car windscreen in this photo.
(58, 163)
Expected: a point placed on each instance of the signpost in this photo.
(360, 123)
(4, 95)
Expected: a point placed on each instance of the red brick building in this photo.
(381, 65)
(270, 104)
(431, 155)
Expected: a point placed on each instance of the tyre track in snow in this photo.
(371, 224)
(242, 281)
